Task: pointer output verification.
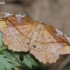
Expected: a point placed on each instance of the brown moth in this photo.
(23, 34)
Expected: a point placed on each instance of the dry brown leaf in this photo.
(23, 34)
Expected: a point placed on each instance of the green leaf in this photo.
(2, 46)
(19, 13)
(7, 61)
(29, 61)
(1, 43)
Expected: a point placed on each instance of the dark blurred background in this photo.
(51, 12)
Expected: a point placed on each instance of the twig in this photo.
(64, 63)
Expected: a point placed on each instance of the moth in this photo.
(23, 34)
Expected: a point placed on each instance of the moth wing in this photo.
(46, 45)
(65, 49)
(17, 36)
